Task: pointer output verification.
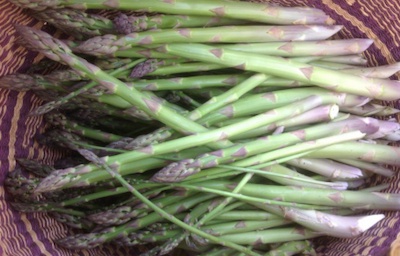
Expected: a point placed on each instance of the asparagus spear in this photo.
(317, 196)
(77, 23)
(329, 168)
(360, 151)
(230, 9)
(149, 103)
(62, 177)
(127, 24)
(306, 48)
(180, 170)
(60, 120)
(330, 79)
(108, 44)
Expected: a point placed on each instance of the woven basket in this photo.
(32, 234)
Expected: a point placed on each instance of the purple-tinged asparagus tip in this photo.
(144, 68)
(176, 171)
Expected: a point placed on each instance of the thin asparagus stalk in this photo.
(246, 215)
(285, 176)
(44, 207)
(57, 119)
(25, 82)
(228, 97)
(108, 44)
(374, 88)
(62, 177)
(319, 114)
(329, 168)
(201, 81)
(325, 223)
(371, 110)
(127, 24)
(229, 9)
(253, 104)
(355, 59)
(276, 235)
(123, 214)
(374, 168)
(77, 23)
(256, 104)
(375, 153)
(148, 237)
(138, 166)
(316, 196)
(306, 48)
(180, 170)
(77, 241)
(54, 104)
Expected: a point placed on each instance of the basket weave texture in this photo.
(32, 234)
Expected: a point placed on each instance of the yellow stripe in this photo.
(384, 23)
(355, 22)
(12, 242)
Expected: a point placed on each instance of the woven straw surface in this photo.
(31, 234)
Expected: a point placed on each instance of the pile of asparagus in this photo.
(209, 126)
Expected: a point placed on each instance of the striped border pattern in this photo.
(26, 234)
(32, 234)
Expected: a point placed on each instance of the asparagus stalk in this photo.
(374, 88)
(326, 224)
(316, 196)
(360, 151)
(374, 168)
(108, 44)
(127, 24)
(230, 9)
(306, 48)
(371, 109)
(329, 168)
(84, 89)
(57, 119)
(317, 115)
(255, 104)
(275, 235)
(39, 169)
(180, 170)
(246, 215)
(75, 22)
(149, 103)
(62, 177)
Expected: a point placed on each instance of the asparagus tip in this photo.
(176, 171)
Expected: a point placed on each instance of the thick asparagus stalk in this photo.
(230, 9)
(374, 88)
